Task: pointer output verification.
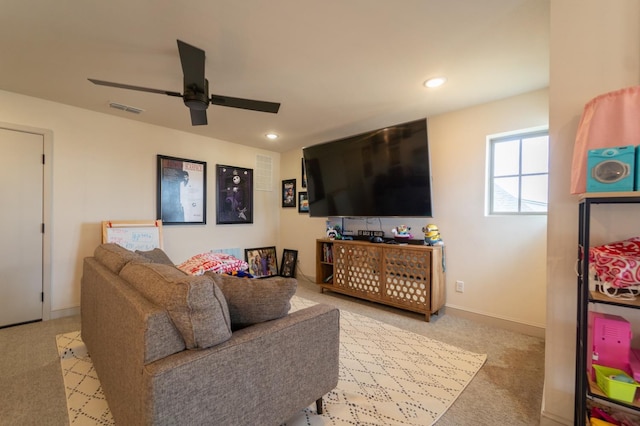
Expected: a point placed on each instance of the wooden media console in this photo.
(405, 276)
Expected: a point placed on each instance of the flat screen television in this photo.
(381, 173)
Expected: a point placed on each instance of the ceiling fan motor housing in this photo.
(195, 97)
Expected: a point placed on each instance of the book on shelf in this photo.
(327, 253)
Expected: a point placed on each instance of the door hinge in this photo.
(43, 228)
(43, 159)
(42, 296)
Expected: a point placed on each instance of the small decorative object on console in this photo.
(432, 235)
(333, 233)
(401, 231)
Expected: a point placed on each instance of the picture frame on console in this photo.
(263, 261)
(303, 202)
(289, 193)
(288, 264)
(181, 197)
(234, 195)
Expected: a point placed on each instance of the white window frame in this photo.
(511, 136)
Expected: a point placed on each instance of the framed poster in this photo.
(289, 260)
(181, 191)
(262, 261)
(289, 193)
(303, 202)
(234, 195)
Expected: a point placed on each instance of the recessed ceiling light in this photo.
(435, 82)
(272, 136)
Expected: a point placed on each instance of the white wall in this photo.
(502, 260)
(595, 48)
(104, 168)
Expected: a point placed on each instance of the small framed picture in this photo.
(288, 265)
(289, 193)
(303, 202)
(262, 261)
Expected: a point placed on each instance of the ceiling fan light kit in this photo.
(196, 88)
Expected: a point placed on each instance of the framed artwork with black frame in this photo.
(181, 191)
(303, 202)
(289, 193)
(288, 265)
(234, 195)
(262, 261)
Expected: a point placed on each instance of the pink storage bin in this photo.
(608, 342)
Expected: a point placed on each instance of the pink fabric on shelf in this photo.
(608, 120)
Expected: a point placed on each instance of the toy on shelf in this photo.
(432, 235)
(401, 231)
(334, 232)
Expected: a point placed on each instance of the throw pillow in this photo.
(195, 304)
(252, 301)
(115, 257)
(156, 256)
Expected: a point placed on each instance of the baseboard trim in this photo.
(529, 330)
(547, 419)
(61, 313)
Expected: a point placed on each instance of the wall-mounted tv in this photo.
(385, 172)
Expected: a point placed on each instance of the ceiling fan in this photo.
(196, 88)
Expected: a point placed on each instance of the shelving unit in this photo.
(409, 277)
(585, 389)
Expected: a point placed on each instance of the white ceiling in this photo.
(338, 67)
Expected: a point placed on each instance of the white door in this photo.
(21, 218)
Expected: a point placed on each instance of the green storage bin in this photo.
(615, 389)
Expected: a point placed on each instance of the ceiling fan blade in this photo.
(198, 117)
(251, 104)
(192, 60)
(138, 88)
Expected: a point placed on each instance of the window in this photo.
(519, 173)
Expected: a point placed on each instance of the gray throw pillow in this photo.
(195, 304)
(156, 256)
(252, 301)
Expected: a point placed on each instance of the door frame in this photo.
(47, 190)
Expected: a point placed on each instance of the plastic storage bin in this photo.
(615, 389)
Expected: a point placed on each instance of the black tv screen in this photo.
(385, 172)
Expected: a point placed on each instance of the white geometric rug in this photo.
(387, 376)
(86, 403)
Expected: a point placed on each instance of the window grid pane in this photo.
(519, 167)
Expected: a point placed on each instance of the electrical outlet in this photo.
(460, 286)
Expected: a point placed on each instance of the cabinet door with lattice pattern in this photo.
(358, 269)
(407, 278)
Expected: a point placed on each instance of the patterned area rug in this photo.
(85, 401)
(388, 376)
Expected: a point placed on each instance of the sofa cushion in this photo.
(114, 257)
(156, 256)
(252, 301)
(195, 304)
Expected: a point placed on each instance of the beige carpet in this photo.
(388, 376)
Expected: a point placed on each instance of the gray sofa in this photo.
(175, 349)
